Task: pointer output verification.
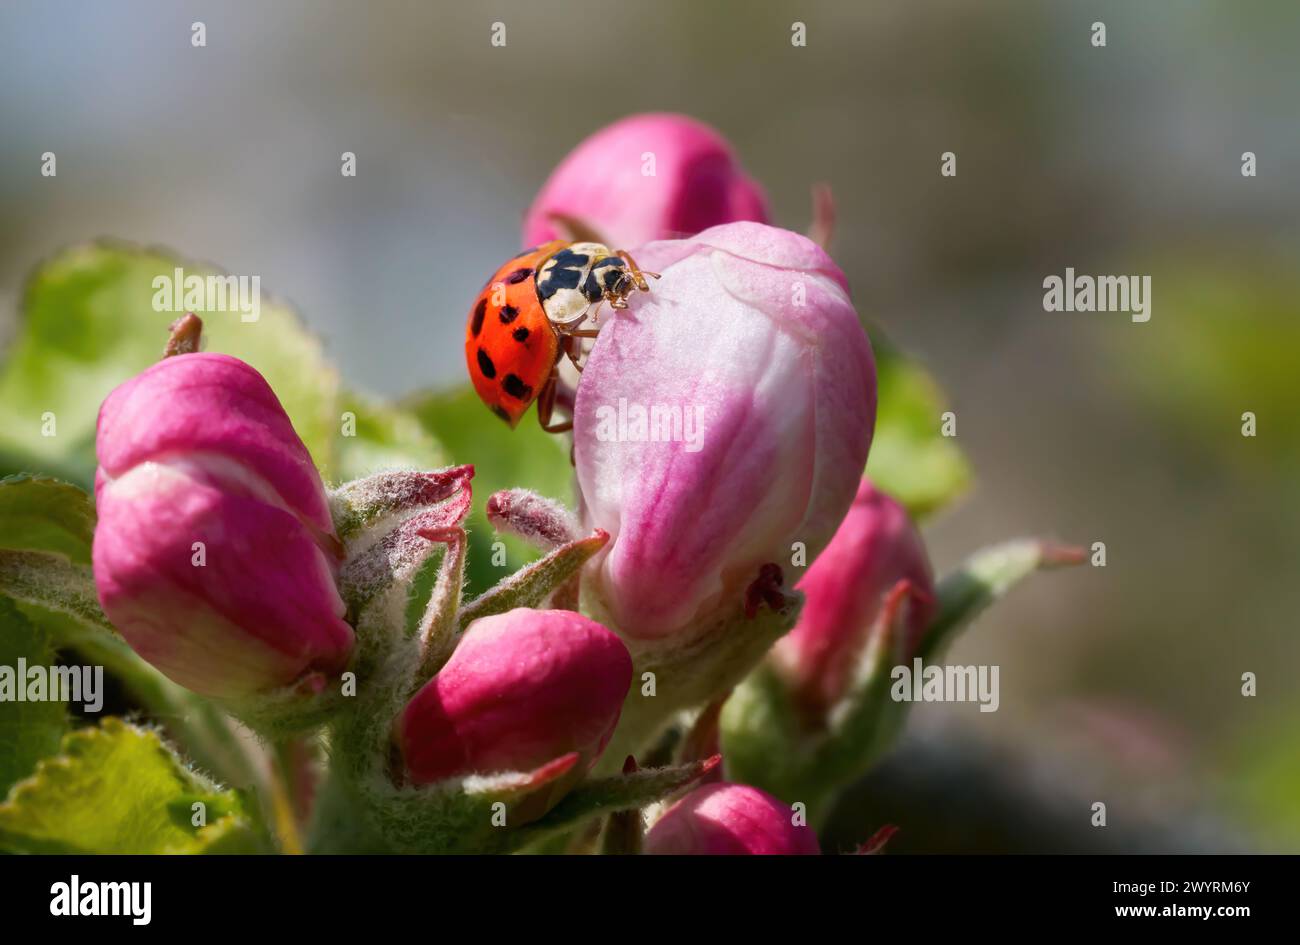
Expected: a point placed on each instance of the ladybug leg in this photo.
(638, 276)
(572, 344)
(546, 405)
(573, 348)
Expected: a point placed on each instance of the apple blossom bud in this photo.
(214, 553)
(723, 418)
(646, 177)
(729, 820)
(875, 547)
(520, 689)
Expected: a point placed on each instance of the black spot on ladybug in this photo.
(500, 412)
(508, 314)
(479, 310)
(557, 279)
(519, 275)
(520, 334)
(568, 259)
(516, 388)
(485, 365)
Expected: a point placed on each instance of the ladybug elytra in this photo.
(531, 313)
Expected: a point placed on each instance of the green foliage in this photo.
(42, 514)
(88, 324)
(46, 527)
(118, 788)
(386, 437)
(910, 458)
(29, 731)
(526, 458)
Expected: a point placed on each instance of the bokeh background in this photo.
(1119, 684)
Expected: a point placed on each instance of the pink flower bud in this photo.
(724, 417)
(521, 689)
(874, 549)
(214, 553)
(730, 820)
(646, 177)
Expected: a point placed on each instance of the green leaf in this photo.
(380, 437)
(525, 457)
(53, 583)
(118, 788)
(29, 731)
(46, 529)
(89, 324)
(910, 458)
(192, 721)
(42, 514)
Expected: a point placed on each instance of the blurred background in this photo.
(1120, 684)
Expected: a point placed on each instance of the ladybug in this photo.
(531, 313)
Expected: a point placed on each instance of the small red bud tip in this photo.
(822, 228)
(704, 738)
(444, 534)
(1061, 556)
(876, 842)
(629, 765)
(893, 611)
(765, 589)
(553, 770)
(442, 523)
(442, 483)
(186, 333)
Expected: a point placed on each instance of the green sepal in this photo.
(983, 578)
(376, 503)
(691, 671)
(535, 583)
(506, 812)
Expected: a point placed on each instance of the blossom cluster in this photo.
(222, 558)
